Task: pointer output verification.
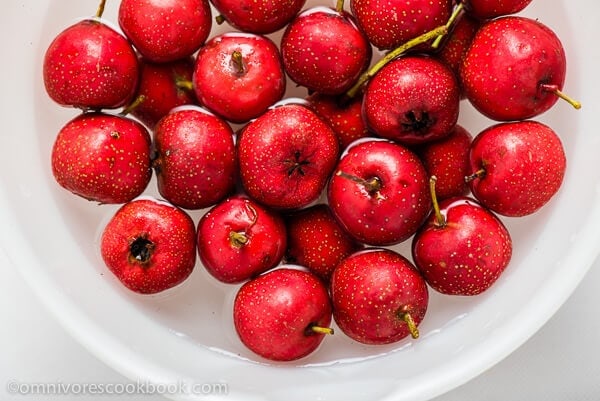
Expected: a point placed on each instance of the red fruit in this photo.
(258, 16)
(149, 245)
(324, 50)
(165, 30)
(462, 249)
(317, 241)
(343, 116)
(238, 76)
(488, 9)
(195, 159)
(102, 157)
(514, 69)
(239, 239)
(164, 88)
(282, 314)
(286, 156)
(378, 297)
(448, 160)
(518, 167)
(379, 192)
(412, 100)
(90, 66)
(390, 23)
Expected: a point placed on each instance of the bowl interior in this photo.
(186, 334)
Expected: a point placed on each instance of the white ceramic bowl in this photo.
(186, 335)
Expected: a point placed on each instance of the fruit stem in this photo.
(339, 6)
(554, 89)
(219, 19)
(412, 326)
(320, 330)
(398, 51)
(440, 221)
(372, 185)
(478, 174)
(237, 240)
(455, 14)
(238, 62)
(133, 105)
(100, 9)
(184, 84)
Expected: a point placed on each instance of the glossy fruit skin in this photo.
(234, 262)
(258, 16)
(159, 86)
(524, 165)
(90, 66)
(273, 313)
(370, 288)
(448, 160)
(102, 157)
(509, 58)
(286, 157)
(317, 241)
(468, 254)
(324, 50)
(412, 100)
(235, 95)
(390, 23)
(149, 26)
(172, 254)
(343, 116)
(488, 9)
(194, 160)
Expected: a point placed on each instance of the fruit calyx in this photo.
(416, 121)
(405, 315)
(371, 185)
(295, 164)
(552, 88)
(141, 250)
(440, 221)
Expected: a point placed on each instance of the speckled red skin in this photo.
(344, 117)
(102, 157)
(448, 160)
(273, 313)
(393, 213)
(390, 23)
(169, 229)
(286, 157)
(233, 262)
(90, 66)
(468, 254)
(325, 50)
(195, 160)
(317, 241)
(454, 48)
(165, 30)
(158, 85)
(258, 16)
(370, 289)
(524, 164)
(488, 9)
(234, 95)
(412, 100)
(508, 61)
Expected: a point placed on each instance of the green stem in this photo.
(133, 105)
(440, 221)
(339, 7)
(455, 14)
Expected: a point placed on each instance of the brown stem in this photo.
(554, 89)
(440, 221)
(478, 174)
(100, 9)
(339, 6)
(237, 240)
(220, 19)
(353, 91)
(372, 185)
(238, 62)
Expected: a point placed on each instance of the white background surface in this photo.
(560, 363)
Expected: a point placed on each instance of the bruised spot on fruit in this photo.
(418, 122)
(140, 250)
